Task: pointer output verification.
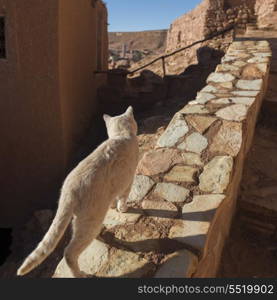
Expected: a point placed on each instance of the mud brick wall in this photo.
(208, 18)
(185, 190)
(183, 31)
(264, 8)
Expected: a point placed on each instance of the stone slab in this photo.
(194, 109)
(236, 112)
(90, 261)
(195, 142)
(209, 89)
(115, 218)
(254, 85)
(181, 174)
(220, 77)
(140, 188)
(171, 192)
(228, 139)
(200, 123)
(160, 209)
(176, 130)
(197, 216)
(181, 264)
(235, 100)
(246, 93)
(158, 161)
(125, 264)
(192, 159)
(203, 98)
(216, 175)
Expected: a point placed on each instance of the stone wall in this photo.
(234, 3)
(206, 19)
(263, 9)
(221, 16)
(185, 190)
(199, 159)
(188, 28)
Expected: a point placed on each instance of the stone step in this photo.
(254, 17)
(256, 222)
(251, 29)
(258, 228)
(264, 203)
(254, 25)
(259, 209)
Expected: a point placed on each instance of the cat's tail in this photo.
(49, 242)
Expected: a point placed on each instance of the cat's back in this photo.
(110, 156)
(111, 151)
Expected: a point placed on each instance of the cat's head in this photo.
(121, 125)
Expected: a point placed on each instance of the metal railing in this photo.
(163, 57)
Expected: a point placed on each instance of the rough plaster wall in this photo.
(30, 125)
(47, 97)
(77, 62)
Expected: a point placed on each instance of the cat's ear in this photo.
(106, 118)
(130, 111)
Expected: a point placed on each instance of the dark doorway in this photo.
(6, 241)
(2, 38)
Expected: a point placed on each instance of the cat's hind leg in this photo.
(84, 232)
(122, 200)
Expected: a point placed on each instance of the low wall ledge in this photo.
(185, 190)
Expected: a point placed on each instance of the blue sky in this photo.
(138, 15)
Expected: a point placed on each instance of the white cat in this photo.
(99, 181)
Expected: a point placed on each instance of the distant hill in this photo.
(152, 40)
